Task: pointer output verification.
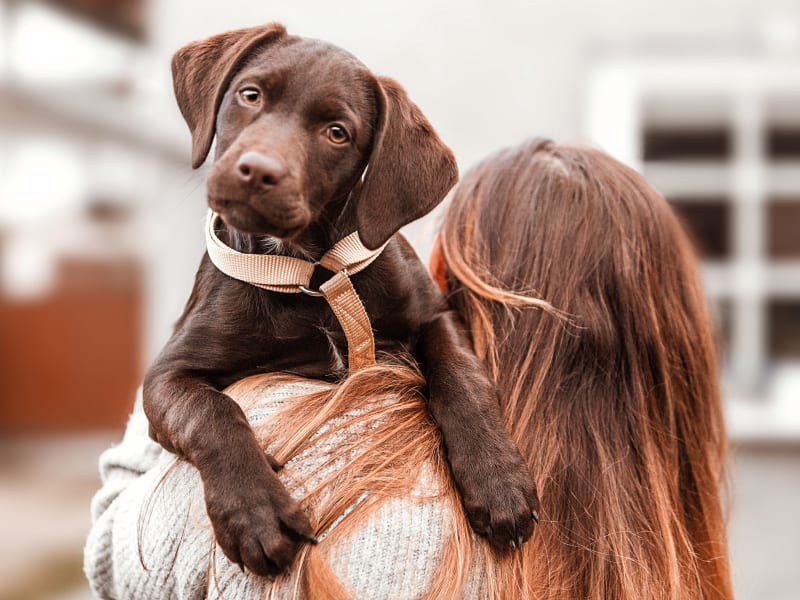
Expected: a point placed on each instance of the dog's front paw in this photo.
(258, 525)
(499, 499)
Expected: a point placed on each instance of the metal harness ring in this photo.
(316, 293)
(310, 292)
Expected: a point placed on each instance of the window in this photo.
(719, 137)
(708, 221)
(783, 318)
(783, 142)
(685, 143)
(783, 228)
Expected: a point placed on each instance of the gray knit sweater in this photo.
(151, 537)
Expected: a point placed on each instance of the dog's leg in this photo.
(256, 522)
(497, 491)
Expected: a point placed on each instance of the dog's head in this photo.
(297, 121)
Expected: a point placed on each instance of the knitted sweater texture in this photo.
(151, 537)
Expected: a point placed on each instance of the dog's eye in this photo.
(250, 95)
(337, 134)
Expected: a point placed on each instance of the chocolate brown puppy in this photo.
(310, 147)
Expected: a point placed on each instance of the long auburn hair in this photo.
(617, 408)
(581, 294)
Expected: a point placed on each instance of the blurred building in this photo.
(92, 220)
(718, 133)
(101, 215)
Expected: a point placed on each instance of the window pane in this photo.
(687, 143)
(783, 142)
(782, 132)
(784, 328)
(783, 228)
(708, 222)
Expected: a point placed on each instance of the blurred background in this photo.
(101, 214)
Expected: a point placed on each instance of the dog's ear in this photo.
(410, 169)
(201, 72)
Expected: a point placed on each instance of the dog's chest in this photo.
(296, 333)
(300, 333)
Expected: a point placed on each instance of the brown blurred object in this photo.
(706, 143)
(70, 360)
(784, 328)
(126, 17)
(783, 142)
(783, 234)
(708, 221)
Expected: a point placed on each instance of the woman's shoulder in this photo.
(380, 544)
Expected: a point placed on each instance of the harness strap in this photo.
(348, 308)
(293, 275)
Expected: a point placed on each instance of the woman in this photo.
(611, 397)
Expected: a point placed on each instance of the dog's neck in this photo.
(336, 220)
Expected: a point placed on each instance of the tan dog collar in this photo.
(293, 275)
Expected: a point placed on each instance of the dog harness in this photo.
(293, 276)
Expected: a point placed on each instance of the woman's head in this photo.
(608, 380)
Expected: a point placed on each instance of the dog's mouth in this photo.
(242, 216)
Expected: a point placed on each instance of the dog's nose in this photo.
(259, 169)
